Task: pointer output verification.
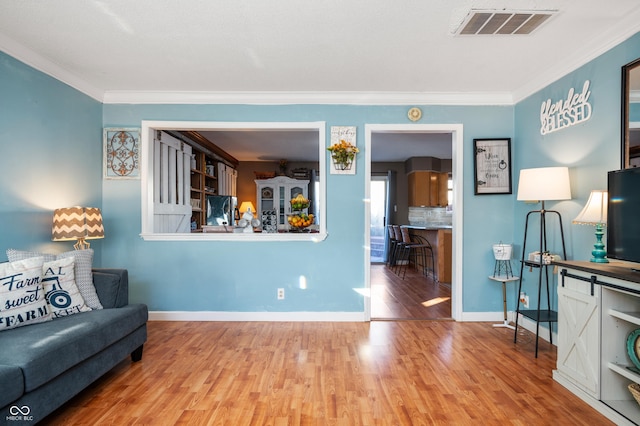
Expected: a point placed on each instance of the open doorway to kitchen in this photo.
(406, 292)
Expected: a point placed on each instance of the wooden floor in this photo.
(416, 297)
(378, 373)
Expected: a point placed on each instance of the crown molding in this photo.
(630, 26)
(297, 98)
(40, 63)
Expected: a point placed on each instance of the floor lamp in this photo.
(541, 184)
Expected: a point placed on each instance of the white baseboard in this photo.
(482, 317)
(256, 316)
(498, 317)
(325, 317)
(601, 407)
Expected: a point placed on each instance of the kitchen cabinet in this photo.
(427, 189)
(598, 308)
(273, 197)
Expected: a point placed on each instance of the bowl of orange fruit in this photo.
(300, 221)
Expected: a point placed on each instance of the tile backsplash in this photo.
(425, 216)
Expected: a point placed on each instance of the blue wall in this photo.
(51, 141)
(224, 276)
(590, 149)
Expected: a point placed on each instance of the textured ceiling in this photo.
(302, 46)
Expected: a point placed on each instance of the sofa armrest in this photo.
(112, 286)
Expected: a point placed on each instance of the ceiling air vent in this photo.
(503, 22)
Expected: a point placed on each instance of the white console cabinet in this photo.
(579, 330)
(598, 307)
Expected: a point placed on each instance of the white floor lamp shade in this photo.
(544, 183)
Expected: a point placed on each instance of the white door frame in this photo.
(457, 142)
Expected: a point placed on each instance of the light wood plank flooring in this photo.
(415, 297)
(378, 373)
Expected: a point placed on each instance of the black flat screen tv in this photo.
(623, 215)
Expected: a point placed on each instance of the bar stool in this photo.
(414, 247)
(398, 250)
(428, 249)
(391, 249)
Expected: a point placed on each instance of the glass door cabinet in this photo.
(273, 197)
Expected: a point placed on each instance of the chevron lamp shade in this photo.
(77, 223)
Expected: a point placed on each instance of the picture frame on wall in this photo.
(346, 134)
(492, 166)
(121, 153)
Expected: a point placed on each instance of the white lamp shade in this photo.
(544, 183)
(595, 211)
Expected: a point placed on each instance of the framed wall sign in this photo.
(492, 166)
(121, 150)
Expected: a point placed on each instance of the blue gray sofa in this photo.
(44, 365)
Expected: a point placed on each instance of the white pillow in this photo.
(83, 264)
(60, 288)
(22, 299)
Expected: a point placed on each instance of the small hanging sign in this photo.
(564, 113)
(343, 146)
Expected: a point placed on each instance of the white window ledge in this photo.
(257, 236)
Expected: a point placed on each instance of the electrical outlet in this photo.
(524, 299)
(281, 294)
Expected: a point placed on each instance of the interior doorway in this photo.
(375, 270)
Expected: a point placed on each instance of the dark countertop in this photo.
(627, 271)
(428, 227)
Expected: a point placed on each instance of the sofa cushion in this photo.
(46, 350)
(22, 298)
(83, 262)
(11, 384)
(108, 288)
(60, 288)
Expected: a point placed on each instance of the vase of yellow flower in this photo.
(343, 154)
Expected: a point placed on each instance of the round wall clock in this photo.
(414, 114)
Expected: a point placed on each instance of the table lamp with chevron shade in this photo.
(77, 223)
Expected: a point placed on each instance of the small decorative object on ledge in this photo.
(299, 220)
(300, 173)
(633, 348)
(282, 165)
(265, 175)
(634, 388)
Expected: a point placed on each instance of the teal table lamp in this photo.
(595, 213)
